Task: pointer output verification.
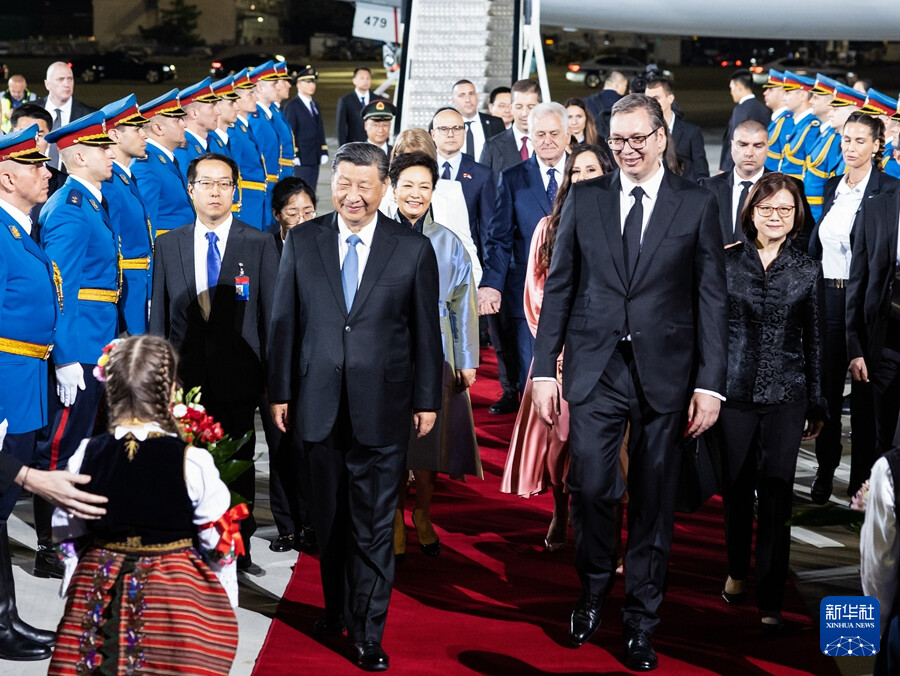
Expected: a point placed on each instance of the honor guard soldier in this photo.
(891, 165)
(124, 125)
(782, 119)
(200, 104)
(29, 308)
(247, 154)
(305, 120)
(282, 128)
(825, 156)
(264, 77)
(77, 235)
(805, 133)
(162, 184)
(218, 137)
(884, 106)
(378, 117)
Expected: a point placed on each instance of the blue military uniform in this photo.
(132, 226)
(161, 183)
(283, 129)
(263, 128)
(805, 133)
(780, 126)
(224, 89)
(825, 158)
(215, 144)
(76, 233)
(194, 146)
(250, 161)
(881, 104)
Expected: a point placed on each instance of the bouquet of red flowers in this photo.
(201, 429)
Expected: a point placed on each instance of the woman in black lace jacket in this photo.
(775, 296)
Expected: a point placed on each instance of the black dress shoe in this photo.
(330, 626)
(18, 648)
(370, 656)
(283, 543)
(508, 403)
(585, 618)
(47, 564)
(822, 487)
(244, 563)
(734, 599)
(42, 636)
(639, 652)
(306, 540)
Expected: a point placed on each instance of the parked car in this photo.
(594, 71)
(120, 65)
(228, 65)
(801, 66)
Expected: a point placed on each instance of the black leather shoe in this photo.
(306, 540)
(283, 543)
(639, 652)
(508, 403)
(47, 563)
(244, 563)
(370, 656)
(330, 626)
(734, 599)
(822, 487)
(18, 648)
(585, 618)
(42, 636)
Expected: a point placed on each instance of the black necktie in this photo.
(54, 152)
(470, 140)
(631, 235)
(742, 200)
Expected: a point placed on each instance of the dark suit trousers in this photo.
(886, 388)
(21, 447)
(238, 417)
(760, 454)
(596, 430)
(354, 491)
(862, 417)
(514, 347)
(308, 174)
(286, 499)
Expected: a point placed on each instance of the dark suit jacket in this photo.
(349, 118)
(721, 185)
(500, 152)
(872, 270)
(879, 182)
(751, 109)
(675, 307)
(521, 203)
(690, 149)
(79, 109)
(491, 124)
(479, 190)
(308, 130)
(9, 468)
(225, 352)
(275, 229)
(385, 352)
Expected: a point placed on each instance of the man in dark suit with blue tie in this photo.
(349, 108)
(213, 286)
(305, 120)
(354, 364)
(525, 195)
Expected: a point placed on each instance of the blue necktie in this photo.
(350, 271)
(446, 174)
(313, 108)
(213, 264)
(552, 186)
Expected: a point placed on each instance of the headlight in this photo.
(166, 69)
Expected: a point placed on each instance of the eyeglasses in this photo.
(447, 131)
(292, 215)
(636, 142)
(765, 210)
(207, 184)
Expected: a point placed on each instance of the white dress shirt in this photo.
(265, 109)
(365, 96)
(365, 234)
(454, 161)
(745, 98)
(529, 146)
(834, 230)
(65, 115)
(777, 112)
(22, 219)
(223, 135)
(879, 546)
(201, 141)
(477, 135)
(559, 167)
(736, 191)
(168, 153)
(201, 247)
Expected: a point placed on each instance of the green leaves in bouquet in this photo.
(229, 468)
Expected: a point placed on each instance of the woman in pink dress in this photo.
(539, 456)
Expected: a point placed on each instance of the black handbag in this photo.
(700, 473)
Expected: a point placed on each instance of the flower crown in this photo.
(104, 360)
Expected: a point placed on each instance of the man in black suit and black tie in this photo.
(688, 138)
(355, 362)
(636, 292)
(60, 103)
(479, 126)
(305, 120)
(349, 122)
(748, 108)
(213, 285)
(513, 145)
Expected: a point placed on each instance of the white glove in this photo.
(3, 426)
(323, 159)
(69, 379)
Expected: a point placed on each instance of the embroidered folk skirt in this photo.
(130, 614)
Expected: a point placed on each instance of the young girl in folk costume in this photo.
(152, 585)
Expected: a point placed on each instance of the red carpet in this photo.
(495, 603)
